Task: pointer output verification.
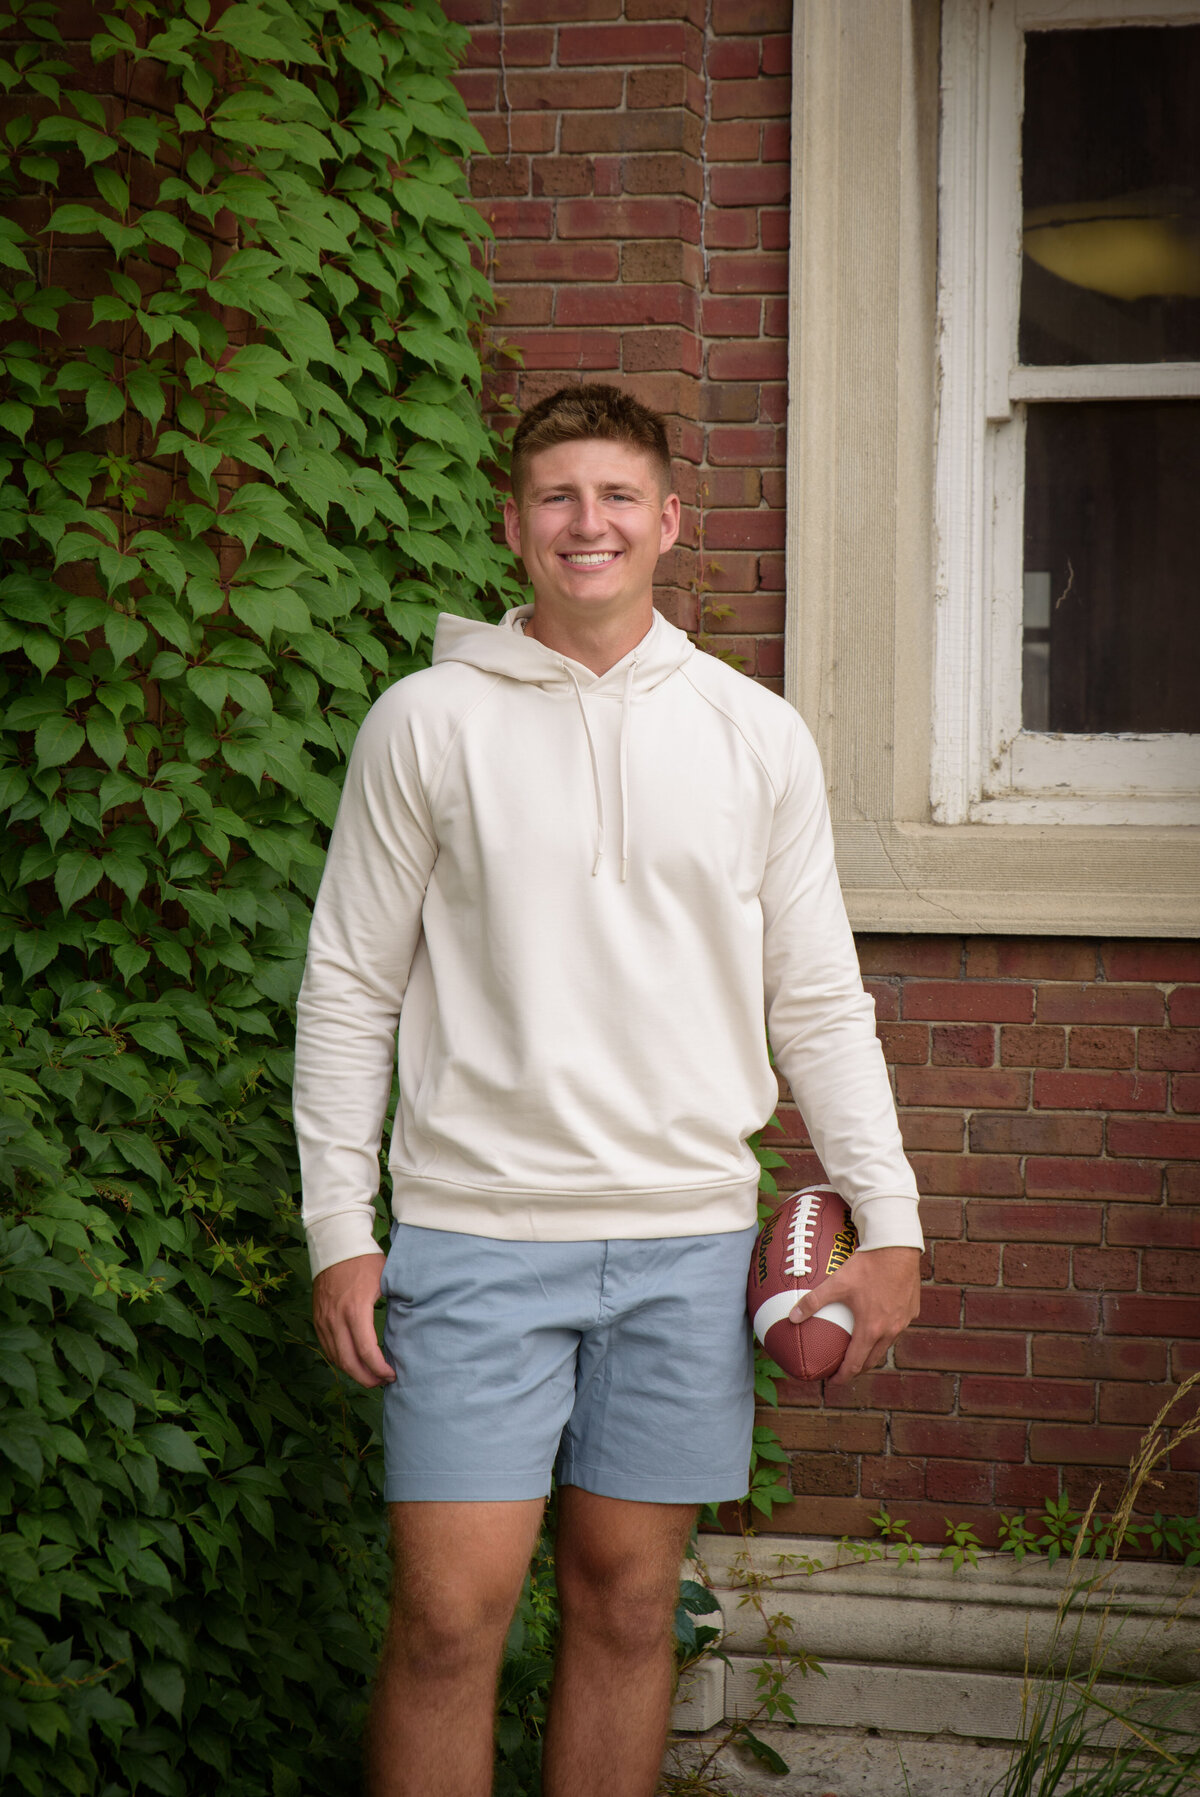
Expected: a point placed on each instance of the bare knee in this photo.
(619, 1608)
(447, 1634)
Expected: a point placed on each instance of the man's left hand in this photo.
(882, 1287)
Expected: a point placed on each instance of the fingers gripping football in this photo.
(881, 1289)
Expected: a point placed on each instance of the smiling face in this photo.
(592, 521)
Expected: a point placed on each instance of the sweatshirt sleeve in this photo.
(365, 929)
(820, 1021)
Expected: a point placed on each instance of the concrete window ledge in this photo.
(924, 1650)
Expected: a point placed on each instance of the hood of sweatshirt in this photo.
(503, 649)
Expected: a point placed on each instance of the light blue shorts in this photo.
(625, 1366)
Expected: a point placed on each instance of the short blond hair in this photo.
(577, 414)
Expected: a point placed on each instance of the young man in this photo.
(576, 862)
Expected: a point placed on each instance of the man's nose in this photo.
(589, 520)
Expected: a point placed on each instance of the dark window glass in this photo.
(1111, 190)
(1112, 566)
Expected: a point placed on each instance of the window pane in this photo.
(1111, 177)
(1112, 567)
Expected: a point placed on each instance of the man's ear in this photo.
(670, 523)
(512, 525)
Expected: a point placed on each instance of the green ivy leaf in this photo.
(75, 876)
(172, 1446)
(58, 740)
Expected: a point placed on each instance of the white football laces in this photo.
(801, 1236)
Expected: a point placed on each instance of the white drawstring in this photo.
(568, 669)
(624, 760)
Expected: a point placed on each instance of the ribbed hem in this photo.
(557, 1216)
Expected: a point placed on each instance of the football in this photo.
(809, 1237)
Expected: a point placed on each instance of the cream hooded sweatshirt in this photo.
(575, 894)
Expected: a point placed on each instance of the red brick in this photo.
(746, 530)
(907, 1043)
(952, 1001)
(775, 227)
(734, 61)
(624, 304)
(1099, 1004)
(968, 1175)
(966, 1263)
(1152, 960)
(832, 1475)
(1039, 1311)
(749, 274)
(1036, 1135)
(1074, 1357)
(892, 1480)
(751, 18)
(1025, 1487)
(1100, 1091)
(938, 1131)
(962, 1087)
(770, 658)
(669, 85)
(1067, 1178)
(1183, 1183)
(1026, 1222)
(523, 132)
(766, 184)
(633, 217)
(941, 1307)
(664, 173)
(567, 349)
(1185, 1092)
(724, 317)
(842, 1432)
(749, 612)
(734, 140)
(526, 305)
(1140, 1227)
(692, 10)
(889, 1390)
(952, 1351)
(938, 957)
(519, 218)
(668, 346)
(941, 1218)
(477, 89)
(1163, 1270)
(1039, 1266)
(650, 261)
(1028, 1397)
(777, 141)
(734, 574)
(830, 1516)
(771, 575)
(1185, 1005)
(494, 175)
(777, 54)
(557, 262)
(777, 318)
(536, 12)
(624, 133)
(673, 42)
(955, 1438)
(1095, 1444)
(958, 1482)
(1101, 1047)
(1138, 1403)
(760, 361)
(765, 97)
(1129, 1314)
(1141, 1136)
(559, 90)
(1173, 1050)
(886, 999)
(772, 402)
(963, 1045)
(1185, 1360)
(1105, 1269)
(532, 47)
(749, 447)
(1029, 958)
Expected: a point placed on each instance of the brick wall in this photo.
(638, 188)
(1049, 1095)
(1049, 1091)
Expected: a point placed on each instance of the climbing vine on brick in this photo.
(243, 470)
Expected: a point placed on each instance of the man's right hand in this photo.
(344, 1300)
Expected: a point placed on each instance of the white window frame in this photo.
(985, 768)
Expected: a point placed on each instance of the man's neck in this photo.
(599, 644)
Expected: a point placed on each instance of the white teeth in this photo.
(592, 559)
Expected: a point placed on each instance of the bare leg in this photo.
(457, 1577)
(617, 1565)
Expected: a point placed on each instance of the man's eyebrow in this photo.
(569, 486)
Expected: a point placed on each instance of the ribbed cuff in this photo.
(887, 1222)
(343, 1236)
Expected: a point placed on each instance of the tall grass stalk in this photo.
(1092, 1725)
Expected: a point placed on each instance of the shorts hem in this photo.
(455, 1488)
(649, 1488)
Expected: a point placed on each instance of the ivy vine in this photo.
(243, 469)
